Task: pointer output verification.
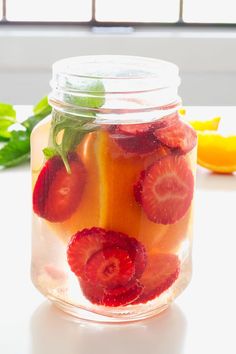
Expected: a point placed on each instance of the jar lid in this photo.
(128, 83)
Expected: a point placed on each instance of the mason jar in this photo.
(113, 174)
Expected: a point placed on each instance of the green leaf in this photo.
(73, 128)
(7, 110)
(49, 152)
(5, 123)
(41, 106)
(94, 94)
(16, 150)
(31, 122)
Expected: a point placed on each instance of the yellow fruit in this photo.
(217, 152)
(182, 111)
(211, 124)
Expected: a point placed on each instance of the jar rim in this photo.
(129, 84)
(90, 67)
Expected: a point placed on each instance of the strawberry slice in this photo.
(95, 246)
(82, 246)
(138, 255)
(57, 193)
(161, 272)
(138, 187)
(167, 190)
(177, 136)
(139, 143)
(119, 296)
(134, 129)
(135, 138)
(123, 295)
(92, 292)
(110, 267)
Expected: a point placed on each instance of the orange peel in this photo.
(202, 125)
(217, 152)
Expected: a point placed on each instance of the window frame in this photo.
(95, 23)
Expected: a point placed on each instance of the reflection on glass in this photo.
(54, 332)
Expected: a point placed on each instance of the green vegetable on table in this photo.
(16, 148)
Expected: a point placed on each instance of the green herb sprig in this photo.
(17, 141)
(73, 128)
(16, 147)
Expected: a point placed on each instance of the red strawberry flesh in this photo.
(110, 267)
(89, 243)
(177, 136)
(167, 190)
(119, 296)
(82, 246)
(57, 193)
(161, 272)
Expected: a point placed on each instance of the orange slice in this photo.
(87, 213)
(202, 125)
(119, 210)
(217, 152)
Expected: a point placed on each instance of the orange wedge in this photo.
(87, 213)
(108, 199)
(201, 125)
(119, 210)
(217, 152)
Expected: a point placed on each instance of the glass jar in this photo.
(113, 183)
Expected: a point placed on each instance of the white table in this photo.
(201, 321)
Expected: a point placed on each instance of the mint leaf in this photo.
(7, 118)
(94, 94)
(49, 152)
(31, 122)
(16, 150)
(7, 110)
(72, 131)
(5, 123)
(41, 106)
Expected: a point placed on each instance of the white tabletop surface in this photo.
(202, 320)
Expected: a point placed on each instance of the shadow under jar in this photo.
(113, 181)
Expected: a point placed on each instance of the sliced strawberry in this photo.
(92, 292)
(137, 144)
(177, 136)
(161, 272)
(135, 249)
(138, 255)
(166, 121)
(134, 129)
(119, 296)
(138, 188)
(86, 243)
(110, 267)
(123, 295)
(167, 190)
(82, 246)
(57, 193)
